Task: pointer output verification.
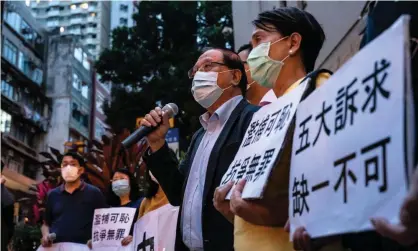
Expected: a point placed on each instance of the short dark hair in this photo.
(246, 47)
(114, 200)
(287, 20)
(233, 61)
(75, 155)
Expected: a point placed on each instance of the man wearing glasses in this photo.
(70, 207)
(219, 85)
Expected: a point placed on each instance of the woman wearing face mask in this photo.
(124, 192)
(154, 197)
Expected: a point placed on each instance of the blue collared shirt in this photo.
(70, 216)
(192, 202)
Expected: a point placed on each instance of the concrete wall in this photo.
(59, 79)
(104, 24)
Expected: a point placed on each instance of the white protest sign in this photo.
(156, 230)
(348, 155)
(65, 246)
(262, 144)
(111, 226)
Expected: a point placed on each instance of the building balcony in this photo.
(91, 19)
(80, 99)
(53, 13)
(54, 3)
(52, 24)
(75, 31)
(76, 21)
(90, 41)
(79, 127)
(90, 30)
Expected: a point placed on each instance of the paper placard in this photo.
(262, 143)
(156, 230)
(111, 226)
(349, 155)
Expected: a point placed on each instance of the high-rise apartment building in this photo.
(88, 21)
(25, 107)
(121, 14)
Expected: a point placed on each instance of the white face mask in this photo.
(205, 88)
(70, 173)
(121, 187)
(263, 69)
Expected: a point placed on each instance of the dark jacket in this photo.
(217, 231)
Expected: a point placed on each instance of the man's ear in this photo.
(236, 77)
(295, 40)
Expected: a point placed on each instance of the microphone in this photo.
(171, 109)
(52, 237)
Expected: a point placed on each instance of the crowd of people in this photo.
(231, 86)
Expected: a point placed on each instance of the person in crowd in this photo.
(286, 43)
(7, 207)
(219, 85)
(255, 92)
(125, 193)
(381, 15)
(154, 197)
(70, 207)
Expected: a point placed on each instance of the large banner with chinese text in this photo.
(156, 230)
(349, 157)
(262, 144)
(111, 226)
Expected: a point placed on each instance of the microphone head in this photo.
(171, 108)
(52, 236)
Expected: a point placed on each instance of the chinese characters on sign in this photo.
(111, 225)
(349, 147)
(156, 230)
(262, 143)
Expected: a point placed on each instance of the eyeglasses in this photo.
(205, 67)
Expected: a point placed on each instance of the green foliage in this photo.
(149, 62)
(26, 237)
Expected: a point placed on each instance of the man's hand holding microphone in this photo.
(48, 239)
(159, 120)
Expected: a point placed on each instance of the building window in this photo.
(5, 122)
(99, 102)
(76, 82)
(27, 32)
(85, 91)
(14, 20)
(85, 120)
(123, 7)
(86, 63)
(78, 54)
(37, 76)
(84, 6)
(8, 90)
(10, 51)
(99, 129)
(123, 21)
(23, 62)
